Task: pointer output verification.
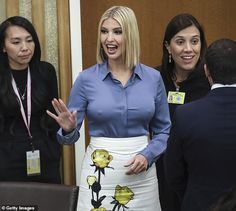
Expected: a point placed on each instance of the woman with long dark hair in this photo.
(184, 47)
(28, 147)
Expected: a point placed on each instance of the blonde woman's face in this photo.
(185, 48)
(19, 47)
(112, 39)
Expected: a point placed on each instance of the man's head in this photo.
(220, 62)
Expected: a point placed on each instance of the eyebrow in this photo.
(183, 36)
(18, 38)
(112, 29)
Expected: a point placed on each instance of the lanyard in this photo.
(26, 120)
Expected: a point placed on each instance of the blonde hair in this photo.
(127, 20)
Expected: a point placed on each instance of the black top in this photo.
(195, 87)
(14, 138)
(20, 77)
(49, 83)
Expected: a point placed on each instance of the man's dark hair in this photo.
(220, 59)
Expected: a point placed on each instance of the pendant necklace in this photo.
(22, 96)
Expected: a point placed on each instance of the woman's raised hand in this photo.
(66, 119)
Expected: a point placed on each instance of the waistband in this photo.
(130, 144)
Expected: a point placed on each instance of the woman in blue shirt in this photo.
(122, 99)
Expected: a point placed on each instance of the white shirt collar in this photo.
(214, 86)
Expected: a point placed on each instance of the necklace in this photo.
(22, 96)
(177, 82)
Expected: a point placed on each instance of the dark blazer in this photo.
(201, 153)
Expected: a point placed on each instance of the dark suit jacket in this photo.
(201, 153)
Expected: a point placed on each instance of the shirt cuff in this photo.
(67, 138)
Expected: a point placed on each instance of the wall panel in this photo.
(217, 16)
(38, 21)
(12, 7)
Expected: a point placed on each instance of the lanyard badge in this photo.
(33, 162)
(176, 97)
(32, 157)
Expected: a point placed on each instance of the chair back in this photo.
(39, 196)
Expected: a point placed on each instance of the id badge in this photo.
(176, 97)
(33, 162)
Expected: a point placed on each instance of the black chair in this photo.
(39, 196)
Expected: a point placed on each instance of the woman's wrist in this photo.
(66, 132)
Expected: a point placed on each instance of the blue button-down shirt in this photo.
(117, 111)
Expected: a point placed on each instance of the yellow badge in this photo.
(176, 97)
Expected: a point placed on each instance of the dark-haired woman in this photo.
(29, 150)
(184, 46)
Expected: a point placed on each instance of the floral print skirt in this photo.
(104, 186)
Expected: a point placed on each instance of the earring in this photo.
(169, 58)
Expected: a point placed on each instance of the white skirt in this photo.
(104, 186)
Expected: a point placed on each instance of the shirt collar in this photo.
(138, 71)
(104, 71)
(215, 86)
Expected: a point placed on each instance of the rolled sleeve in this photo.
(69, 138)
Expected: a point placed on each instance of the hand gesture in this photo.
(66, 119)
(137, 165)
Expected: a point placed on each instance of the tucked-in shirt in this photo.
(118, 111)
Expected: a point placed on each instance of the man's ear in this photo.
(208, 75)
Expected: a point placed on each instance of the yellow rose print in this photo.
(122, 196)
(101, 158)
(98, 209)
(91, 179)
